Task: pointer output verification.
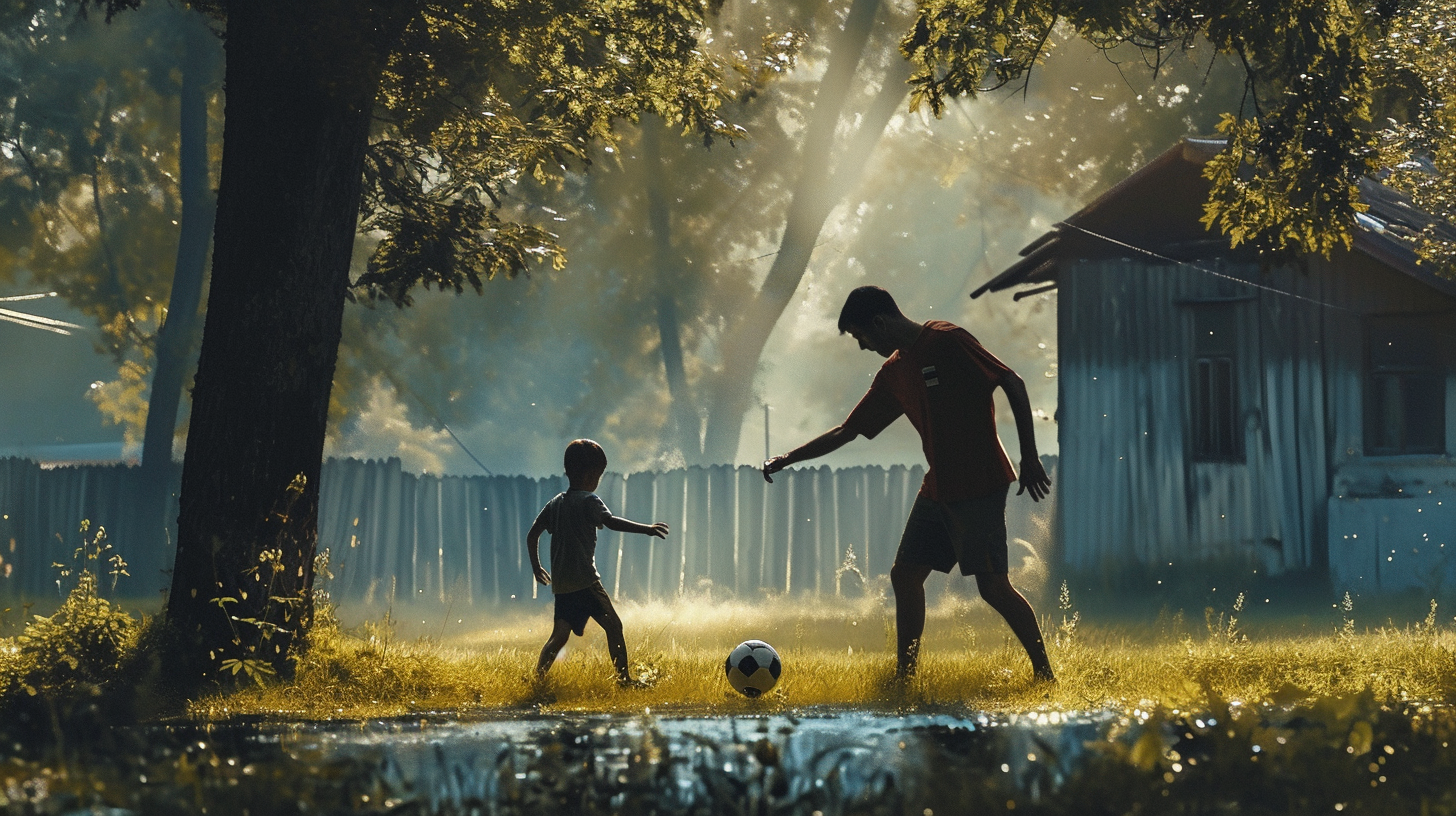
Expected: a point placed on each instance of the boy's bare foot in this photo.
(632, 683)
(1044, 676)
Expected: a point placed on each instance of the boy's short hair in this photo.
(584, 457)
(863, 304)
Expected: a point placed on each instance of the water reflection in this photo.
(766, 763)
(1326, 755)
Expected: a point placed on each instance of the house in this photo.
(1211, 410)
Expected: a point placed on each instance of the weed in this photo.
(1223, 627)
(73, 652)
(1347, 615)
(1067, 629)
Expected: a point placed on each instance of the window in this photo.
(1215, 421)
(1405, 387)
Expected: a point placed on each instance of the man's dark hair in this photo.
(863, 304)
(584, 457)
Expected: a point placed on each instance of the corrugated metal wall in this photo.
(1131, 492)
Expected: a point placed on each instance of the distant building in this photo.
(1297, 418)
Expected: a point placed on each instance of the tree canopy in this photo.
(1303, 134)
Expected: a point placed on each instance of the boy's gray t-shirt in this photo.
(573, 518)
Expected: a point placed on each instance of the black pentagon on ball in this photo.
(775, 667)
(748, 665)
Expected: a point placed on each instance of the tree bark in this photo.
(178, 332)
(301, 80)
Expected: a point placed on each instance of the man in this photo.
(940, 377)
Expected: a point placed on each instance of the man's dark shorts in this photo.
(971, 532)
(576, 607)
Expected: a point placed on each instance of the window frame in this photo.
(1215, 432)
(1429, 365)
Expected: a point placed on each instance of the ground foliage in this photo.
(839, 654)
(1204, 717)
(55, 673)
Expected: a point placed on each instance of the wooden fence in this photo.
(393, 534)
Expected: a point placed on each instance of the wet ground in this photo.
(1329, 756)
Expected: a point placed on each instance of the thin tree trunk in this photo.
(175, 339)
(301, 80)
(813, 200)
(667, 271)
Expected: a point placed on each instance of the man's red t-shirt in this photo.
(943, 383)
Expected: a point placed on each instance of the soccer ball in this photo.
(753, 667)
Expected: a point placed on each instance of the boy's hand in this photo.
(658, 530)
(773, 466)
(542, 575)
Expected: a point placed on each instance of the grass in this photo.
(838, 653)
(1356, 725)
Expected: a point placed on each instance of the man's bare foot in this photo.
(1044, 675)
(632, 683)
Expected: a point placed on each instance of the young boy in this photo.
(573, 518)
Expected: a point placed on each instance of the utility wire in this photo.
(1148, 252)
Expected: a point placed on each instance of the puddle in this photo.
(826, 759)
(1329, 756)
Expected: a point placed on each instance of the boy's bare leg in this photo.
(908, 581)
(996, 590)
(616, 644)
(560, 632)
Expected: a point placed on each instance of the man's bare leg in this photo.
(908, 581)
(560, 632)
(996, 590)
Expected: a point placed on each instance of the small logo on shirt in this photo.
(931, 377)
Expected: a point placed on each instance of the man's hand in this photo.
(1034, 478)
(658, 530)
(542, 576)
(773, 466)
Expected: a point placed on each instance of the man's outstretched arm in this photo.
(1033, 475)
(825, 443)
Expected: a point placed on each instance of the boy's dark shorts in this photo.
(971, 532)
(576, 607)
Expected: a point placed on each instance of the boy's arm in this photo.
(533, 549)
(1033, 475)
(620, 525)
(825, 443)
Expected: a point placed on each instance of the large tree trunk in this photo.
(818, 189)
(301, 80)
(178, 333)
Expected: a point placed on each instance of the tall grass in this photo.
(839, 654)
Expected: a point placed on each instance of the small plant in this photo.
(1225, 626)
(848, 566)
(80, 646)
(1347, 614)
(1427, 627)
(254, 633)
(1067, 629)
